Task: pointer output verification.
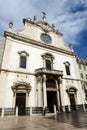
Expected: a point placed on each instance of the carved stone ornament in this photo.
(60, 79)
(21, 86)
(71, 90)
(11, 24)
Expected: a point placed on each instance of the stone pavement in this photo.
(76, 118)
(35, 123)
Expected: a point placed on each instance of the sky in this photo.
(68, 16)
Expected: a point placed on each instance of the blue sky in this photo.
(68, 16)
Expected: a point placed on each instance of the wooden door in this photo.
(72, 102)
(20, 102)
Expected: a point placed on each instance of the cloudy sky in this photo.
(68, 16)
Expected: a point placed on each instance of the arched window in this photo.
(48, 60)
(23, 59)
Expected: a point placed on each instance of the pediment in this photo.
(24, 86)
(71, 89)
(42, 24)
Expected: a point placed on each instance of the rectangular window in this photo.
(23, 61)
(84, 67)
(67, 70)
(86, 93)
(79, 66)
(48, 64)
(86, 76)
(81, 75)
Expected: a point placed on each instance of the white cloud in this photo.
(70, 20)
(72, 24)
(62, 13)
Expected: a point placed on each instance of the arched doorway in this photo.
(21, 90)
(72, 91)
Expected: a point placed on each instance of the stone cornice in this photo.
(37, 43)
(15, 71)
(71, 79)
(28, 73)
(81, 61)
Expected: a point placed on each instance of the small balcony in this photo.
(48, 72)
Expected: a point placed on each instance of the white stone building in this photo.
(82, 65)
(38, 71)
(2, 41)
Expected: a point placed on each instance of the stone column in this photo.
(39, 94)
(2, 114)
(44, 91)
(54, 109)
(60, 91)
(58, 101)
(39, 85)
(30, 110)
(16, 110)
(27, 100)
(14, 100)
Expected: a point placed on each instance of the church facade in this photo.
(38, 71)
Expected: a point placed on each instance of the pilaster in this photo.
(44, 91)
(60, 93)
(40, 92)
(58, 99)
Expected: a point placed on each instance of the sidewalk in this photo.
(33, 123)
